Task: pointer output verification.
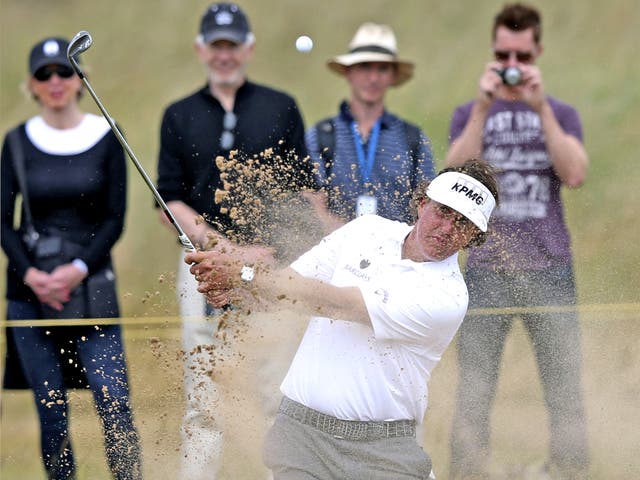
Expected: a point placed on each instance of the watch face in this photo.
(247, 273)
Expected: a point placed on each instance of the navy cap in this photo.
(52, 50)
(224, 21)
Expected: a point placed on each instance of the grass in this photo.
(142, 59)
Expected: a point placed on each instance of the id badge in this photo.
(366, 205)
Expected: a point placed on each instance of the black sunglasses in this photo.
(227, 138)
(45, 73)
(504, 55)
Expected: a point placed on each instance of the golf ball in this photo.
(304, 43)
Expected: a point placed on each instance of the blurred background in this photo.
(142, 59)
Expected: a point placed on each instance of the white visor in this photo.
(464, 194)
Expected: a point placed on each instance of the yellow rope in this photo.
(610, 308)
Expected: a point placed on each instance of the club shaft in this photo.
(182, 236)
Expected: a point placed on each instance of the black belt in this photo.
(347, 429)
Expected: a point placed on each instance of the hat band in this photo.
(373, 49)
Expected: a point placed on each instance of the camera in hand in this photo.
(510, 75)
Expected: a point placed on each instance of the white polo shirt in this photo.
(353, 371)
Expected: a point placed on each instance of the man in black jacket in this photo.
(230, 118)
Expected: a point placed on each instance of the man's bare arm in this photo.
(313, 297)
(568, 155)
(218, 272)
(469, 143)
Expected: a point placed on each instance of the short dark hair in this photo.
(519, 17)
(482, 171)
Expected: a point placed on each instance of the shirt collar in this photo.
(450, 262)
(242, 92)
(346, 116)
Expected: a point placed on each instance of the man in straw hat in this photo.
(385, 300)
(390, 155)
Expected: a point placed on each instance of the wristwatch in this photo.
(247, 273)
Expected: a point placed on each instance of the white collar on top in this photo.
(68, 141)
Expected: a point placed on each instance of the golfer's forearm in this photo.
(313, 297)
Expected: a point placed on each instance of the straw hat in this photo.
(373, 43)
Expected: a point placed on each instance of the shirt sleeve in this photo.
(170, 169)
(568, 119)
(407, 309)
(12, 243)
(425, 169)
(317, 164)
(296, 150)
(320, 262)
(459, 121)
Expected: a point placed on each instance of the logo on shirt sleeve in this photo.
(381, 292)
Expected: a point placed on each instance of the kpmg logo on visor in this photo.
(464, 194)
(469, 190)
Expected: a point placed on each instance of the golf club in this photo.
(79, 44)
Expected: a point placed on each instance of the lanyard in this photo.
(366, 165)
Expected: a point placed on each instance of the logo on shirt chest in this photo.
(359, 272)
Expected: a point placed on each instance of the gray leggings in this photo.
(555, 337)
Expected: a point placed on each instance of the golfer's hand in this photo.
(213, 270)
(218, 298)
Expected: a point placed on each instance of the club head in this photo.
(79, 43)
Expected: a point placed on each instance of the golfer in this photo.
(385, 300)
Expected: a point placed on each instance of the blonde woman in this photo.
(74, 184)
